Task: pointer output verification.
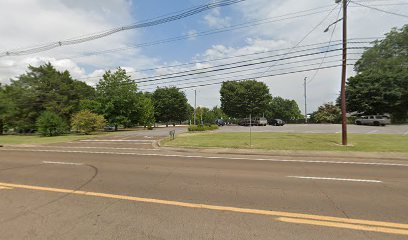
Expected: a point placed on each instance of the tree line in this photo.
(46, 100)
(50, 101)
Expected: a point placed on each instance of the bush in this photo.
(193, 128)
(50, 124)
(86, 121)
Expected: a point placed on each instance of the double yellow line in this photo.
(297, 218)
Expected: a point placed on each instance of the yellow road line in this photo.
(285, 215)
(345, 225)
(2, 187)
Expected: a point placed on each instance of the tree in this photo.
(284, 109)
(51, 124)
(170, 105)
(239, 99)
(86, 121)
(42, 89)
(5, 108)
(147, 110)
(327, 113)
(118, 98)
(381, 83)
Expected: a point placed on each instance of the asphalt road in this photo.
(124, 187)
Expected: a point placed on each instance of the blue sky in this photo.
(31, 22)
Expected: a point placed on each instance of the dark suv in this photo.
(276, 122)
(220, 122)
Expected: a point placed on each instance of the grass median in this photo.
(36, 139)
(293, 141)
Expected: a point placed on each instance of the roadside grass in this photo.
(293, 141)
(36, 139)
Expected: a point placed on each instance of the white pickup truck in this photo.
(376, 120)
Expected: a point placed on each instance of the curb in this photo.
(300, 154)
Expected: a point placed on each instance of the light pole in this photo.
(195, 106)
(305, 100)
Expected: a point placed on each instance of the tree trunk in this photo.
(116, 127)
(1, 126)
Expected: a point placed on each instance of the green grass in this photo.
(35, 139)
(293, 141)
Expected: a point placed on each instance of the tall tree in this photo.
(381, 83)
(41, 89)
(118, 98)
(284, 109)
(170, 105)
(239, 99)
(5, 108)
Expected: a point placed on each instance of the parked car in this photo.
(109, 128)
(376, 120)
(256, 121)
(276, 122)
(220, 122)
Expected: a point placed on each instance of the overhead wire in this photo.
(181, 15)
(330, 40)
(307, 34)
(380, 10)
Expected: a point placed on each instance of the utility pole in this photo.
(195, 106)
(343, 77)
(305, 100)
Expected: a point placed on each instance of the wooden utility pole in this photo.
(343, 78)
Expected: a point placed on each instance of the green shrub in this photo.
(86, 121)
(50, 124)
(194, 128)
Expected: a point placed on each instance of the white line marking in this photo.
(116, 140)
(373, 131)
(135, 143)
(112, 148)
(63, 163)
(337, 179)
(206, 157)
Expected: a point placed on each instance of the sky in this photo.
(267, 36)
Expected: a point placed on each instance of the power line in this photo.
(380, 10)
(265, 76)
(184, 14)
(313, 29)
(352, 41)
(178, 81)
(208, 32)
(324, 57)
(247, 63)
(184, 81)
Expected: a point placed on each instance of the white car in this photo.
(376, 120)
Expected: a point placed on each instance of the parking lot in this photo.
(321, 128)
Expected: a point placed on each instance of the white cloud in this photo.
(214, 19)
(283, 34)
(192, 34)
(34, 22)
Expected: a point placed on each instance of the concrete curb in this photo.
(300, 154)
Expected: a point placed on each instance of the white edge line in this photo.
(63, 163)
(116, 140)
(337, 179)
(209, 157)
(143, 149)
